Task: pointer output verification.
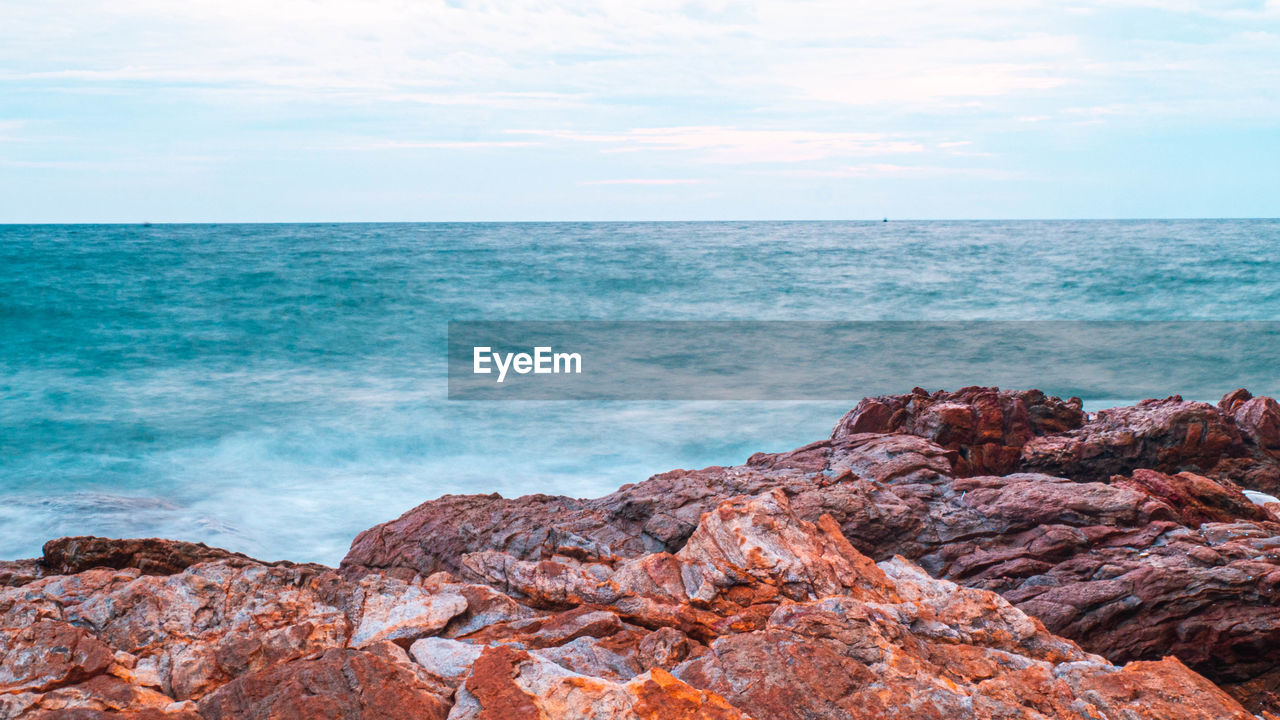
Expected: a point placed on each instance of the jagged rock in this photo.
(986, 427)
(1257, 417)
(340, 683)
(1130, 553)
(810, 628)
(1169, 435)
(725, 593)
(1197, 499)
(186, 633)
(512, 684)
(151, 556)
(391, 609)
(20, 572)
(48, 654)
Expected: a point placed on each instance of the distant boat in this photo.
(886, 220)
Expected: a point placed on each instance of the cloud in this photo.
(739, 145)
(675, 89)
(783, 56)
(889, 170)
(9, 128)
(645, 181)
(434, 145)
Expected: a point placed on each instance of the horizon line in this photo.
(882, 220)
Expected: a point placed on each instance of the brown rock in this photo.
(1259, 422)
(1198, 499)
(14, 573)
(152, 556)
(1151, 564)
(1169, 435)
(49, 654)
(187, 633)
(726, 593)
(987, 427)
(336, 684)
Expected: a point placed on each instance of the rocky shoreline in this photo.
(972, 554)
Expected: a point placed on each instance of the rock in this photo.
(1141, 546)
(186, 633)
(1197, 499)
(49, 654)
(1259, 422)
(665, 648)
(339, 683)
(511, 683)
(1169, 435)
(449, 660)
(920, 563)
(987, 427)
(14, 573)
(152, 556)
(391, 609)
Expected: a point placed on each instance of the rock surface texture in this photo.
(977, 554)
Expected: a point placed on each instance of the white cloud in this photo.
(739, 145)
(432, 145)
(9, 128)
(645, 181)
(623, 89)
(781, 55)
(889, 170)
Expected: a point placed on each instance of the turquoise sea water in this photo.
(275, 389)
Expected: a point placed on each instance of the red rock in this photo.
(1152, 564)
(152, 556)
(186, 633)
(726, 593)
(1259, 421)
(49, 654)
(987, 427)
(1197, 499)
(1169, 435)
(14, 573)
(336, 684)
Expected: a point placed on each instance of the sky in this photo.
(446, 110)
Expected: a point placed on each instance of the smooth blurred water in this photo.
(275, 389)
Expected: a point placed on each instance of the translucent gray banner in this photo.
(785, 361)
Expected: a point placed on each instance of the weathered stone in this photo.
(1169, 435)
(391, 609)
(340, 683)
(152, 556)
(49, 654)
(726, 593)
(986, 427)
(1140, 546)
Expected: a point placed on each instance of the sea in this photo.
(275, 389)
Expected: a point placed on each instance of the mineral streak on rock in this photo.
(923, 562)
